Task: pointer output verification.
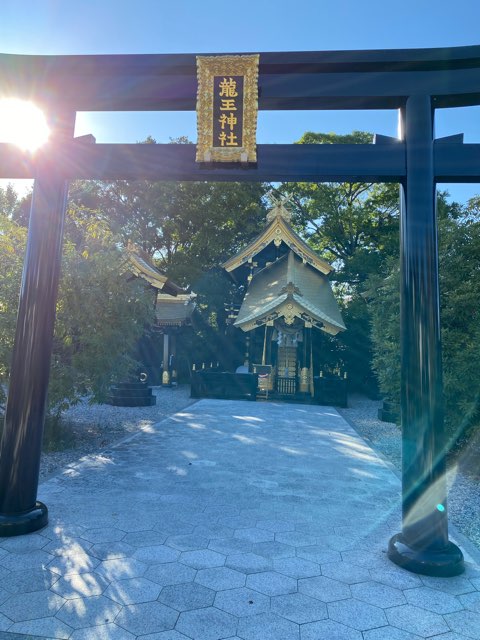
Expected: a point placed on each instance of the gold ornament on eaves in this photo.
(209, 67)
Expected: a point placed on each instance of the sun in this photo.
(22, 123)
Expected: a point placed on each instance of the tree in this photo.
(101, 310)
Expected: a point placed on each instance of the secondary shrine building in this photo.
(288, 298)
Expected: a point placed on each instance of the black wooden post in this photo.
(20, 448)
(423, 545)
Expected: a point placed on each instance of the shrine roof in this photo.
(142, 266)
(278, 230)
(290, 288)
(174, 311)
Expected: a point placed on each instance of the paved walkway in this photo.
(228, 520)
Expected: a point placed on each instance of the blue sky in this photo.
(214, 26)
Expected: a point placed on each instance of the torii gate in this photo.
(416, 82)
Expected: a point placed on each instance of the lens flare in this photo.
(22, 123)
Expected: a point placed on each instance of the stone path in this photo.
(257, 521)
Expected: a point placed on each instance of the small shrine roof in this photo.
(174, 311)
(142, 266)
(290, 288)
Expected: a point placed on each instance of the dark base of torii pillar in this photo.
(423, 545)
(20, 448)
(21, 523)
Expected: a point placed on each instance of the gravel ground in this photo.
(97, 427)
(463, 472)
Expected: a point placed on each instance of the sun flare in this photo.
(22, 123)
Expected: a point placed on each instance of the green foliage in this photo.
(459, 249)
(12, 251)
(101, 310)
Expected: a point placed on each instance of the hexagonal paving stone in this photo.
(319, 553)
(88, 612)
(369, 560)
(103, 534)
(5, 622)
(324, 589)
(397, 578)
(415, 620)
(23, 544)
(337, 543)
(464, 622)
(188, 542)
(296, 567)
(202, 559)
(58, 547)
(378, 594)
(80, 585)
(267, 626)
(28, 606)
(209, 624)
(145, 538)
(103, 632)
(238, 522)
(220, 578)
(165, 635)
(344, 572)
(433, 600)
(24, 561)
(184, 597)
(328, 630)
(253, 534)
(456, 585)
(133, 591)
(298, 607)
(49, 627)
(356, 614)
(76, 563)
(156, 554)
(26, 581)
(229, 546)
(276, 526)
(170, 573)
(121, 568)
(471, 601)
(242, 602)
(148, 617)
(273, 550)
(296, 538)
(392, 633)
(214, 531)
(112, 550)
(248, 562)
(271, 583)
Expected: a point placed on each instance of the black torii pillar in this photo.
(20, 448)
(423, 545)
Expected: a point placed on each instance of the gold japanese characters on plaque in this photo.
(227, 105)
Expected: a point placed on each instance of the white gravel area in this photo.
(463, 473)
(96, 427)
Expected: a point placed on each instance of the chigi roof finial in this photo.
(279, 208)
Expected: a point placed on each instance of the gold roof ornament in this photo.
(278, 231)
(279, 209)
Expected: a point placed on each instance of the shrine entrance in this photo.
(414, 82)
